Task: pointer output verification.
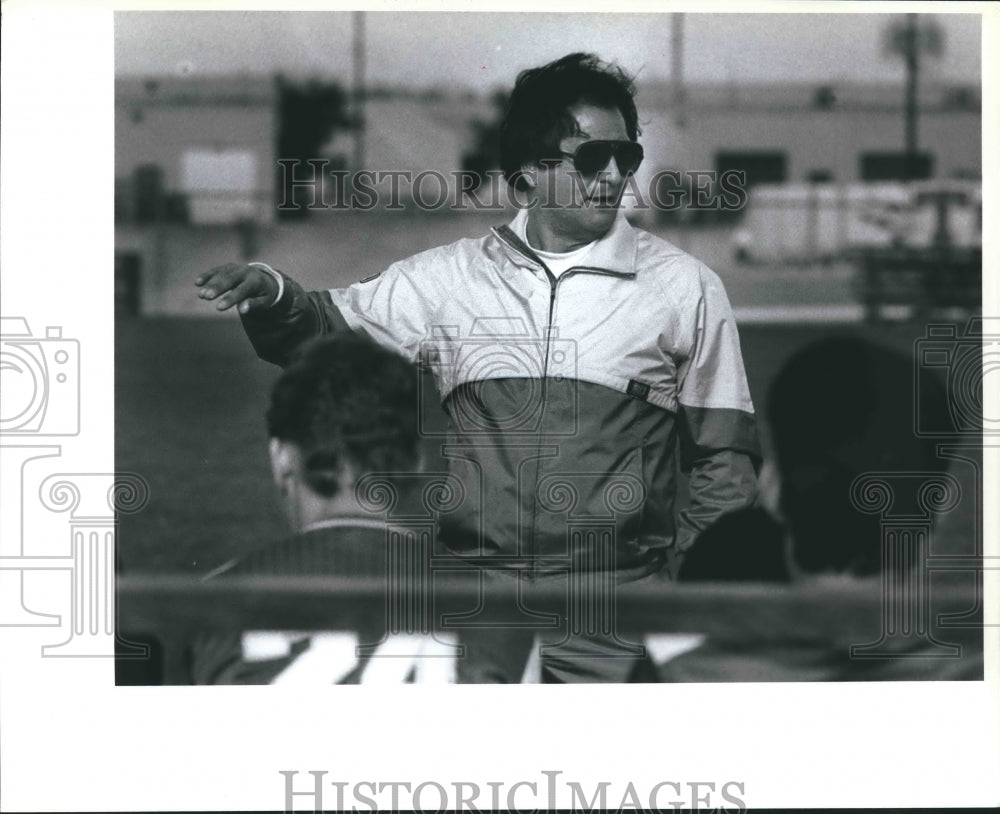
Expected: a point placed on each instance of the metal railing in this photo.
(862, 616)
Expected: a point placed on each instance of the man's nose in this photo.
(611, 175)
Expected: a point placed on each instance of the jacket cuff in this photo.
(279, 278)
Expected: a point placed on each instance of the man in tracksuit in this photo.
(581, 362)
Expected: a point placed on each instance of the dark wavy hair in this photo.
(346, 400)
(537, 116)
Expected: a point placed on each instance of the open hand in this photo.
(249, 287)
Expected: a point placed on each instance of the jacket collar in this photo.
(614, 253)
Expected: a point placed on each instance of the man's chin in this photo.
(587, 222)
(598, 220)
(600, 211)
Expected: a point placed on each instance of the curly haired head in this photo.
(346, 401)
(538, 112)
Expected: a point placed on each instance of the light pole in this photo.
(677, 65)
(358, 53)
(908, 38)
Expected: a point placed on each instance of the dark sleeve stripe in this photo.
(334, 319)
(706, 430)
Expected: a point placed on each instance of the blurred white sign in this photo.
(220, 184)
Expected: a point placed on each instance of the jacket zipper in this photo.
(533, 525)
(554, 285)
(553, 289)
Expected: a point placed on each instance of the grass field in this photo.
(190, 396)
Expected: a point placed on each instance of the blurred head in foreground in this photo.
(839, 408)
(345, 407)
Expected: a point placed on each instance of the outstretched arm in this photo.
(277, 313)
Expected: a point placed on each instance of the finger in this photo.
(220, 280)
(207, 276)
(248, 288)
(256, 303)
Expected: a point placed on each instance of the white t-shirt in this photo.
(560, 262)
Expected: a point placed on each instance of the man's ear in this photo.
(284, 461)
(529, 172)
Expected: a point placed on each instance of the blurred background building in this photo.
(842, 173)
(195, 150)
(205, 150)
(792, 132)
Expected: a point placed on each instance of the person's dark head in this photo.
(554, 113)
(345, 407)
(839, 408)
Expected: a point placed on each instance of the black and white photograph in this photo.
(386, 361)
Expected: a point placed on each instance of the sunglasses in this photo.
(593, 156)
